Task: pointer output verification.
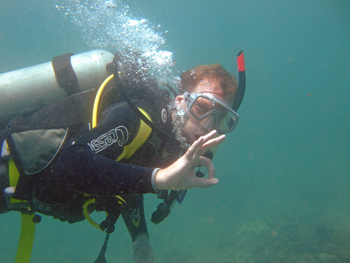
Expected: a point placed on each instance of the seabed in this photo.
(324, 239)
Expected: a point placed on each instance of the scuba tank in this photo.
(46, 83)
(39, 86)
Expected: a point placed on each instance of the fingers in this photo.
(204, 143)
(205, 182)
(213, 142)
(203, 161)
(194, 147)
(210, 135)
(202, 140)
(210, 140)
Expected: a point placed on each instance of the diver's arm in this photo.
(88, 165)
(84, 171)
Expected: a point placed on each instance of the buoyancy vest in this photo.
(36, 136)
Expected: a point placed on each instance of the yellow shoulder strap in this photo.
(141, 137)
(144, 130)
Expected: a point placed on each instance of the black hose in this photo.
(101, 257)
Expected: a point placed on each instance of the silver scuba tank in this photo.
(40, 85)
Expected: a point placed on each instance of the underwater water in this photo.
(284, 172)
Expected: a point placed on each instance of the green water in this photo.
(284, 172)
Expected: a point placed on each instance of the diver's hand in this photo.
(142, 250)
(181, 174)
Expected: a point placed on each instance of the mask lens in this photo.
(226, 123)
(210, 109)
(201, 107)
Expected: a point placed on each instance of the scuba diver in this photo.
(61, 161)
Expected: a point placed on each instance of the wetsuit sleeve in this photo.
(89, 164)
(134, 216)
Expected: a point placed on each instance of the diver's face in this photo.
(195, 128)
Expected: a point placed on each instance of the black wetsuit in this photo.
(88, 165)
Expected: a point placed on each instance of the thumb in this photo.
(206, 182)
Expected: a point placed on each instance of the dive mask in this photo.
(204, 106)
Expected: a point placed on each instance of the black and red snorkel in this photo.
(239, 94)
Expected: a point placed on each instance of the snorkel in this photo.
(239, 94)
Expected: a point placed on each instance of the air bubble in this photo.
(116, 30)
(109, 4)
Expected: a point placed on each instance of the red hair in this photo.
(227, 82)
